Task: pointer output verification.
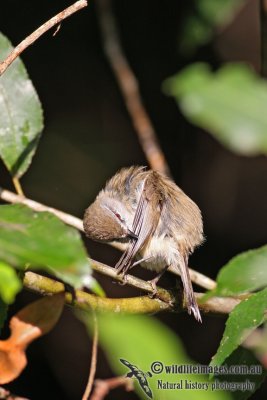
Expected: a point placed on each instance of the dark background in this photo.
(88, 136)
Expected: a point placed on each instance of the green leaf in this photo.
(244, 273)
(245, 317)
(21, 115)
(149, 345)
(95, 287)
(246, 368)
(200, 25)
(43, 241)
(230, 104)
(10, 284)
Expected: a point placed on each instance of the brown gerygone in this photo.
(158, 223)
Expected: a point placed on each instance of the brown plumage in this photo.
(159, 224)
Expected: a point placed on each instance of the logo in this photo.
(141, 376)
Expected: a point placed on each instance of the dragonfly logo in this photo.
(138, 374)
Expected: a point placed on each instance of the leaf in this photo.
(147, 345)
(21, 115)
(245, 317)
(244, 273)
(43, 241)
(95, 287)
(10, 284)
(230, 104)
(31, 322)
(200, 25)
(239, 360)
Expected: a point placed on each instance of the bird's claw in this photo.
(153, 284)
(123, 278)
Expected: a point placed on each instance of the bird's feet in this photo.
(153, 283)
(123, 276)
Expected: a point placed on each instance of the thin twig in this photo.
(17, 186)
(133, 281)
(103, 387)
(57, 29)
(92, 372)
(57, 19)
(129, 88)
(10, 197)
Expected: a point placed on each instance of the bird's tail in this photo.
(191, 303)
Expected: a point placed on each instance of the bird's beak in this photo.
(132, 235)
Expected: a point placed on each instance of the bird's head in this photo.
(107, 219)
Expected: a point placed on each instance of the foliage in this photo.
(10, 284)
(21, 115)
(200, 25)
(246, 272)
(245, 317)
(229, 103)
(148, 344)
(26, 240)
(243, 358)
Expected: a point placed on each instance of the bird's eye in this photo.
(118, 216)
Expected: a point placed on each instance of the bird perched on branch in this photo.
(157, 222)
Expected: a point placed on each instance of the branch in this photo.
(141, 304)
(162, 294)
(215, 305)
(57, 19)
(88, 302)
(103, 387)
(129, 88)
(10, 197)
(92, 372)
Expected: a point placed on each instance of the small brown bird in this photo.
(159, 225)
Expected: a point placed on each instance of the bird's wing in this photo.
(145, 220)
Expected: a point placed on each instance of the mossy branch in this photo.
(140, 304)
